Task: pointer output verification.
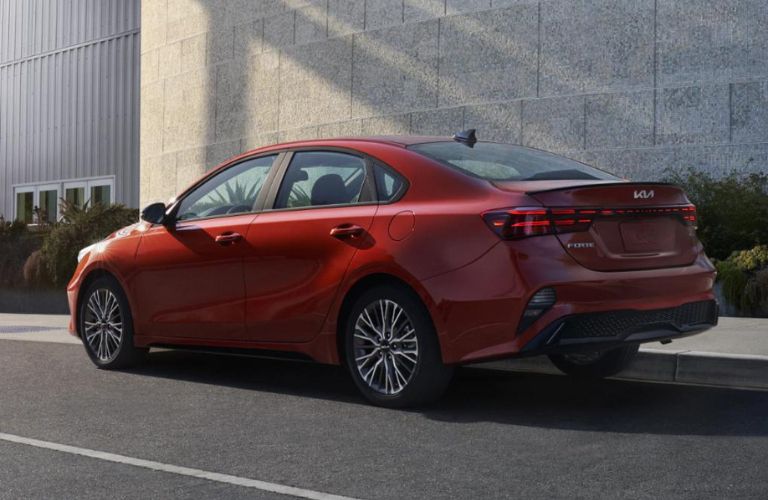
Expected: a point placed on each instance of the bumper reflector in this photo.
(539, 303)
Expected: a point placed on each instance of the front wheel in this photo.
(392, 349)
(106, 326)
(595, 365)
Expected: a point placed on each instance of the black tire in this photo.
(595, 365)
(115, 354)
(429, 377)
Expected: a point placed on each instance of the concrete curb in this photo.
(739, 371)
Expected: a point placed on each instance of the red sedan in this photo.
(401, 258)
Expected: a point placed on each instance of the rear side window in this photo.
(317, 178)
(389, 185)
(506, 162)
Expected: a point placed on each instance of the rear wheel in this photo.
(106, 326)
(598, 364)
(392, 350)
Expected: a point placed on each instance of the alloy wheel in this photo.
(385, 347)
(103, 324)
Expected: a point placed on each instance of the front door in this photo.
(301, 249)
(189, 280)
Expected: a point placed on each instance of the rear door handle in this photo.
(228, 238)
(347, 231)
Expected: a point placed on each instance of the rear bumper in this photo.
(479, 307)
(603, 330)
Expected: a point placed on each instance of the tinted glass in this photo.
(505, 162)
(24, 207)
(49, 205)
(388, 184)
(100, 195)
(75, 196)
(316, 178)
(232, 191)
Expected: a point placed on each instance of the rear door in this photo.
(624, 226)
(300, 250)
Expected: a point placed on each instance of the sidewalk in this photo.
(733, 354)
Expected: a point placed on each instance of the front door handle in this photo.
(228, 238)
(347, 231)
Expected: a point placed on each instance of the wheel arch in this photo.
(90, 277)
(367, 282)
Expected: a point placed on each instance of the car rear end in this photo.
(590, 261)
(634, 272)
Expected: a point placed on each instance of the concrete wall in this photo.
(632, 86)
(69, 94)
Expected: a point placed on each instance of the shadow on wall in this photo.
(306, 68)
(317, 68)
(250, 73)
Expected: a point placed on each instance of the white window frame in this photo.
(17, 190)
(75, 185)
(49, 187)
(61, 187)
(104, 181)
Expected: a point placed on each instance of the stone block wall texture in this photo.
(632, 86)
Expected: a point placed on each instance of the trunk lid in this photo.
(622, 226)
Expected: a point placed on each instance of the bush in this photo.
(35, 272)
(744, 276)
(732, 210)
(79, 228)
(17, 242)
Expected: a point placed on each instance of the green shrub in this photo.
(750, 260)
(744, 277)
(79, 228)
(17, 242)
(732, 210)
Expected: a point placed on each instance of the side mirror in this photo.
(154, 213)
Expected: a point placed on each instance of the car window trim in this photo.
(368, 187)
(404, 184)
(258, 205)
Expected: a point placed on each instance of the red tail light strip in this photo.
(515, 223)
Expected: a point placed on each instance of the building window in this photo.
(74, 193)
(101, 194)
(40, 203)
(25, 206)
(48, 203)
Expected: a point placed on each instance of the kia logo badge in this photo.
(645, 195)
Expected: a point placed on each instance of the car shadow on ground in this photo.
(519, 399)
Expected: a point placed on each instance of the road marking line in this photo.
(173, 469)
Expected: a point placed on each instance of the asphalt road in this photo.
(495, 434)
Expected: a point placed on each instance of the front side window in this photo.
(232, 191)
(317, 178)
(505, 162)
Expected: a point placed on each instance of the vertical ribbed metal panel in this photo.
(33, 27)
(69, 86)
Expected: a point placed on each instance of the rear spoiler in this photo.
(600, 184)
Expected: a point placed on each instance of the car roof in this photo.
(393, 140)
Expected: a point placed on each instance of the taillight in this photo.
(516, 223)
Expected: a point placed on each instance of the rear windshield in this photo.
(505, 162)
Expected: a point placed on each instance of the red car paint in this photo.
(282, 285)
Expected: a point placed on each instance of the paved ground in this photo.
(495, 434)
(732, 335)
